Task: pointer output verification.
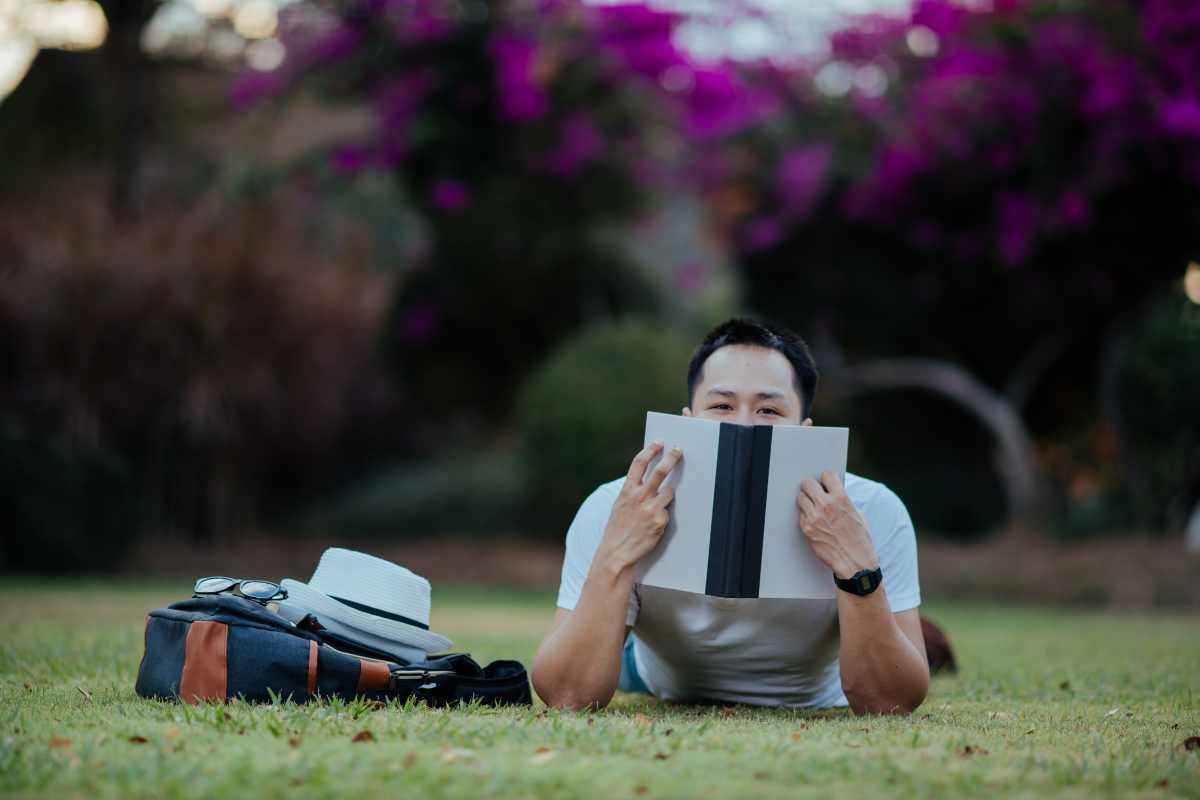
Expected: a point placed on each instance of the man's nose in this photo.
(745, 417)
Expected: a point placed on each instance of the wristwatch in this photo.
(861, 583)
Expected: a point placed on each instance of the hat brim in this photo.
(323, 605)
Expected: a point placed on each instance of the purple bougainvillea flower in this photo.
(254, 87)
(450, 194)
(519, 96)
(416, 22)
(338, 43)
(419, 324)
(764, 233)
(1016, 224)
(870, 39)
(640, 36)
(1072, 209)
(579, 143)
(1181, 116)
(398, 99)
(897, 168)
(802, 177)
(719, 104)
(940, 16)
(349, 159)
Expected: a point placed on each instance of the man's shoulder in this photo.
(607, 492)
(867, 494)
(600, 502)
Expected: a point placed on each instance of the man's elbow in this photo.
(562, 694)
(569, 697)
(892, 705)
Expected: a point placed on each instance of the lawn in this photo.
(1047, 703)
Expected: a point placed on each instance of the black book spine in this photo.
(723, 519)
(739, 511)
(756, 511)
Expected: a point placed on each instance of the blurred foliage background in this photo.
(398, 268)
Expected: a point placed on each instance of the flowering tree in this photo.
(1004, 189)
(519, 131)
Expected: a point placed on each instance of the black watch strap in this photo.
(861, 583)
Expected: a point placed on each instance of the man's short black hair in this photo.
(759, 334)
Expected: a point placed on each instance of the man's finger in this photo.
(813, 490)
(637, 469)
(831, 481)
(805, 504)
(665, 497)
(664, 468)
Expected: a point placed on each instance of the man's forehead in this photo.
(746, 369)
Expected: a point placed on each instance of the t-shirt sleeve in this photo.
(896, 546)
(583, 538)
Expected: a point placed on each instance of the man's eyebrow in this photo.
(723, 392)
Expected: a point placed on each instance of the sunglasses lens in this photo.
(260, 590)
(213, 585)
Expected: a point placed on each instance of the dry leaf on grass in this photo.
(86, 694)
(294, 741)
(1001, 715)
(363, 736)
(727, 712)
(138, 740)
(796, 736)
(639, 789)
(972, 750)
(172, 732)
(1064, 685)
(1191, 743)
(542, 755)
(1162, 784)
(60, 743)
(410, 759)
(661, 756)
(1112, 712)
(641, 719)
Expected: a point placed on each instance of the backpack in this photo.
(222, 647)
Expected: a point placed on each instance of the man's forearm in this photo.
(883, 672)
(579, 664)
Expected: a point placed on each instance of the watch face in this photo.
(864, 582)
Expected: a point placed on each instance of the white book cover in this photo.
(746, 480)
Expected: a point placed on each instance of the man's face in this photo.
(747, 385)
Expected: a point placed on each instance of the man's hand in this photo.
(834, 527)
(640, 514)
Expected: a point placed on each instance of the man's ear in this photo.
(807, 421)
(687, 412)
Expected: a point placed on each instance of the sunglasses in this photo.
(253, 589)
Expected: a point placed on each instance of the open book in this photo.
(735, 528)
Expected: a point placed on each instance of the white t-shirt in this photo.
(768, 652)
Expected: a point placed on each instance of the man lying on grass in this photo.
(862, 650)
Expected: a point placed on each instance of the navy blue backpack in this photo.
(221, 647)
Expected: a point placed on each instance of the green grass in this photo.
(1062, 704)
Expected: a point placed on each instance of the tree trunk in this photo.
(1015, 459)
(131, 74)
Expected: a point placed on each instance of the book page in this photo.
(790, 568)
(681, 559)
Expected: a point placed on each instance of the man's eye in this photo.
(721, 407)
(769, 411)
